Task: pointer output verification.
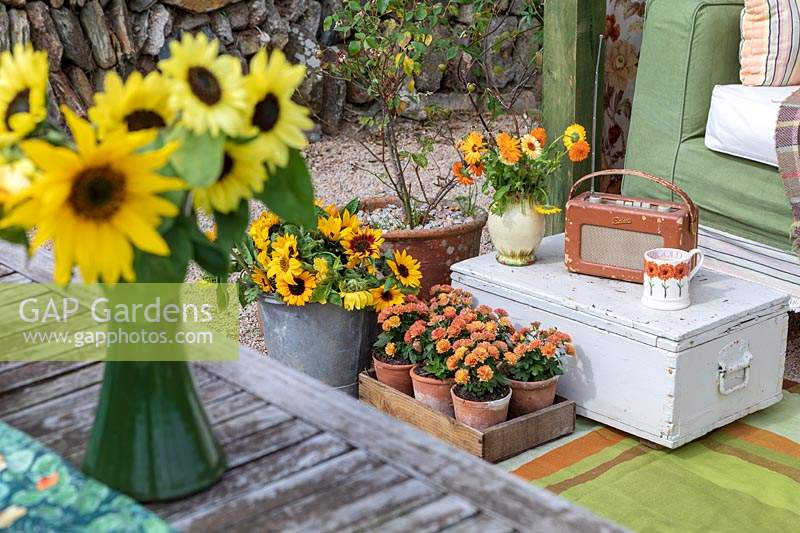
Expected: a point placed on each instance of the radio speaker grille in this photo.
(616, 247)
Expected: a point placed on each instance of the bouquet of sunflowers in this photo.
(119, 197)
(338, 261)
(517, 167)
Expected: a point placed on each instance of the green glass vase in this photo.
(151, 437)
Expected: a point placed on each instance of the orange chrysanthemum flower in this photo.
(541, 135)
(452, 362)
(485, 373)
(578, 151)
(462, 376)
(665, 272)
(549, 349)
(458, 172)
(511, 358)
(471, 359)
(476, 170)
(508, 147)
(442, 345)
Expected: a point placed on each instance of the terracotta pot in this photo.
(435, 393)
(517, 233)
(436, 249)
(396, 376)
(480, 415)
(530, 396)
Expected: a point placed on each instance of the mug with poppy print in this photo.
(667, 274)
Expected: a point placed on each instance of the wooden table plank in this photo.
(5, 271)
(31, 395)
(482, 523)
(433, 516)
(29, 373)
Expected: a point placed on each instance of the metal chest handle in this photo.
(734, 357)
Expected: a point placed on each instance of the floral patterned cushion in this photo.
(39, 491)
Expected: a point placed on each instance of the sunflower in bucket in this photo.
(118, 195)
(338, 261)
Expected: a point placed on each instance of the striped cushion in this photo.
(770, 49)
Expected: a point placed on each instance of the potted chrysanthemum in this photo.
(532, 366)
(515, 170)
(119, 198)
(480, 394)
(397, 350)
(318, 288)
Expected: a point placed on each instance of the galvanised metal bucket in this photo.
(324, 341)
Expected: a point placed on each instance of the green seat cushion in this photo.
(734, 195)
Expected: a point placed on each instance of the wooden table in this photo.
(302, 456)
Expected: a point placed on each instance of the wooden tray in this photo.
(494, 444)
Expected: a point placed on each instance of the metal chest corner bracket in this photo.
(734, 366)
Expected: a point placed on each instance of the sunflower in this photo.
(259, 277)
(241, 175)
(546, 209)
(573, 134)
(386, 298)
(578, 151)
(540, 134)
(531, 146)
(138, 104)
(287, 242)
(356, 300)
(321, 268)
(405, 268)
(102, 197)
(260, 228)
(15, 178)
(335, 227)
(278, 121)
(363, 243)
(205, 88)
(297, 291)
(458, 172)
(473, 147)
(508, 148)
(23, 91)
(282, 266)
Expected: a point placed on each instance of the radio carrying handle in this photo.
(693, 213)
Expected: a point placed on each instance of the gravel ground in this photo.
(331, 162)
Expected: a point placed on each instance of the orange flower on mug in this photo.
(651, 269)
(666, 272)
(681, 270)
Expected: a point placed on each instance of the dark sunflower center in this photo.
(143, 119)
(266, 113)
(403, 270)
(362, 244)
(386, 296)
(97, 193)
(204, 85)
(284, 263)
(298, 288)
(19, 104)
(227, 166)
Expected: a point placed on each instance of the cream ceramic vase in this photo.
(517, 233)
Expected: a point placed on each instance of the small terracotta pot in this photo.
(435, 393)
(396, 376)
(480, 415)
(530, 396)
(436, 249)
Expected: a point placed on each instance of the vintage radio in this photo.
(607, 235)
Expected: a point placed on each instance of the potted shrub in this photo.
(388, 42)
(395, 352)
(318, 288)
(118, 199)
(516, 169)
(533, 365)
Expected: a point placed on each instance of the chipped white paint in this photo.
(655, 374)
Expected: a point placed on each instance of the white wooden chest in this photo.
(666, 376)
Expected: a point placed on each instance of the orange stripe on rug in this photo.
(594, 473)
(569, 454)
(764, 438)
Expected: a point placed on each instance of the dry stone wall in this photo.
(87, 38)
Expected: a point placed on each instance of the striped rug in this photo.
(742, 477)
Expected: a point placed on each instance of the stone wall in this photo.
(87, 38)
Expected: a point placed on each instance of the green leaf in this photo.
(198, 161)
(231, 226)
(289, 192)
(170, 269)
(353, 206)
(382, 6)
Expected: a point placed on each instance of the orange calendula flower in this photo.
(665, 272)
(458, 172)
(508, 147)
(462, 376)
(578, 151)
(541, 135)
(473, 147)
(531, 146)
(46, 482)
(485, 373)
